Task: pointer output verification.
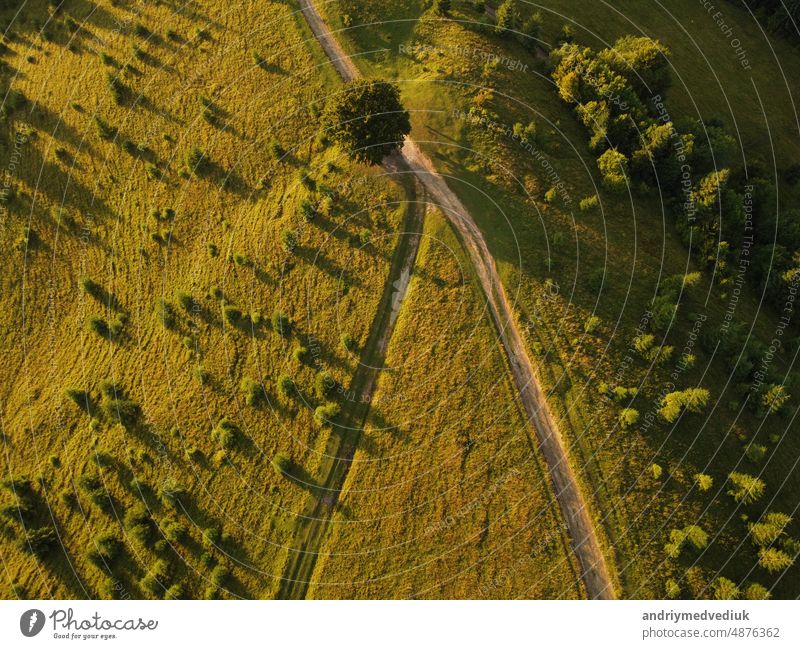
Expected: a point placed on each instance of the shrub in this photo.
(591, 324)
(197, 161)
(348, 342)
(220, 575)
(290, 240)
(185, 300)
(232, 315)
(138, 523)
(253, 392)
(173, 531)
(696, 536)
(281, 323)
(756, 591)
(226, 434)
(672, 589)
(774, 560)
(40, 541)
(441, 7)
(769, 528)
(324, 385)
(704, 482)
(613, 167)
(755, 452)
(165, 313)
(282, 464)
(307, 210)
(286, 385)
(325, 415)
(170, 493)
(774, 398)
(175, 592)
(692, 400)
(211, 537)
(725, 589)
(745, 489)
(300, 354)
(628, 417)
(106, 548)
(98, 325)
(589, 203)
(656, 471)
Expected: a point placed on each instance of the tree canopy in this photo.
(367, 120)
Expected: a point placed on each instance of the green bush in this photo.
(325, 415)
(138, 523)
(692, 400)
(348, 342)
(282, 464)
(165, 313)
(591, 324)
(98, 325)
(628, 417)
(286, 386)
(290, 240)
(300, 354)
(197, 162)
(769, 528)
(774, 398)
(324, 385)
(725, 589)
(40, 541)
(211, 537)
(232, 315)
(745, 489)
(589, 203)
(219, 575)
(170, 493)
(704, 482)
(774, 560)
(281, 324)
(755, 452)
(226, 434)
(253, 392)
(756, 591)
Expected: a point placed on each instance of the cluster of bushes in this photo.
(617, 94)
(781, 16)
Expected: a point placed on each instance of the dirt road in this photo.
(595, 574)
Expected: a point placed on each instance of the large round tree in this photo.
(367, 119)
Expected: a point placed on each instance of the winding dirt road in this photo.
(594, 571)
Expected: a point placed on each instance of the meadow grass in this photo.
(116, 200)
(447, 496)
(554, 257)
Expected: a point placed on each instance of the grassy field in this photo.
(554, 257)
(126, 212)
(447, 496)
(185, 255)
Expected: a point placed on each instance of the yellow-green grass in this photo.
(546, 253)
(447, 495)
(103, 197)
